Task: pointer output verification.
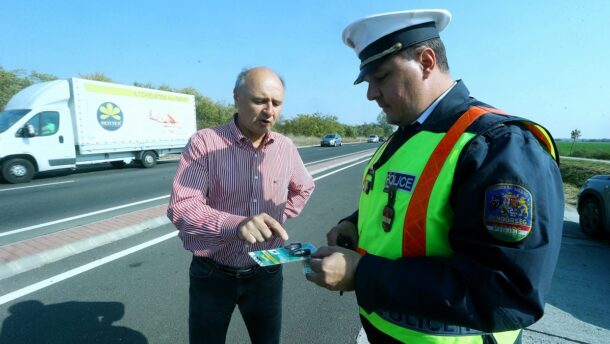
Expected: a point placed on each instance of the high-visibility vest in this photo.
(421, 171)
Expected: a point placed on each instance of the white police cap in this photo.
(378, 36)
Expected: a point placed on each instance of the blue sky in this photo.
(548, 61)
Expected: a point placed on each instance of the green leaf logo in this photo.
(110, 116)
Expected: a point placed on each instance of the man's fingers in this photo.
(275, 227)
(261, 226)
(322, 252)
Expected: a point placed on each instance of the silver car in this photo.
(331, 140)
(594, 206)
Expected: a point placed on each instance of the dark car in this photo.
(382, 139)
(594, 206)
(331, 140)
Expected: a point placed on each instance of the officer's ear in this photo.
(427, 61)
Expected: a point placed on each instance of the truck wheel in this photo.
(17, 171)
(149, 159)
(591, 218)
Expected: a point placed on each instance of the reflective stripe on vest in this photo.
(414, 231)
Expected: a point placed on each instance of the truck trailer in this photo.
(63, 124)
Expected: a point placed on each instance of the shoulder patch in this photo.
(508, 212)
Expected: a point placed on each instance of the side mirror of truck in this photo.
(26, 131)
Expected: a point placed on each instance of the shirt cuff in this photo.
(228, 227)
(366, 279)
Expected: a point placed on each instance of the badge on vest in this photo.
(400, 181)
(508, 212)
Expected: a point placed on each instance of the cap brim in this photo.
(370, 68)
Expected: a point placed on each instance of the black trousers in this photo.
(214, 294)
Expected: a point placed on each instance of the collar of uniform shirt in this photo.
(421, 119)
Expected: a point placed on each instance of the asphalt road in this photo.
(55, 197)
(142, 297)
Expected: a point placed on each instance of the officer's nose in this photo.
(372, 92)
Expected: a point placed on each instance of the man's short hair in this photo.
(241, 79)
(436, 44)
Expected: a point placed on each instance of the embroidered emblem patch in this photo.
(508, 212)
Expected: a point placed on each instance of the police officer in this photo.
(459, 223)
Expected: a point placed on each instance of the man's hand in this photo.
(344, 228)
(260, 228)
(334, 268)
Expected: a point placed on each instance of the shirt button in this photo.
(255, 177)
(254, 200)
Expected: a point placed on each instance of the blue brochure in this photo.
(292, 252)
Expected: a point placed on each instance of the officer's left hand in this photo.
(334, 268)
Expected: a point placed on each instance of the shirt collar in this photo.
(421, 119)
(240, 137)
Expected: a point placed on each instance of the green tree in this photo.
(382, 120)
(211, 113)
(14, 81)
(97, 76)
(575, 134)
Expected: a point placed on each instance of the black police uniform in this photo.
(485, 284)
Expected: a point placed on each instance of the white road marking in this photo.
(38, 185)
(25, 229)
(341, 169)
(334, 158)
(79, 270)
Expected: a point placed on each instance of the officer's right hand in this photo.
(344, 228)
(260, 228)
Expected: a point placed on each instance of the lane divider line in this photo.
(341, 169)
(25, 229)
(84, 268)
(35, 186)
(337, 157)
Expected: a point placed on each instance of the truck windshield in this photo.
(10, 117)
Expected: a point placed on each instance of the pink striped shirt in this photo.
(222, 179)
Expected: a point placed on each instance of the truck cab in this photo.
(36, 132)
(68, 123)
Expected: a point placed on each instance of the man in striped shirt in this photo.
(235, 186)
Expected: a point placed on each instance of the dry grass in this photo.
(570, 193)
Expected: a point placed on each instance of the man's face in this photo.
(259, 103)
(397, 87)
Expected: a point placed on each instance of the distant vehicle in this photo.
(63, 124)
(331, 140)
(372, 139)
(382, 139)
(594, 206)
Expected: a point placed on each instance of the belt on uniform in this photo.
(227, 270)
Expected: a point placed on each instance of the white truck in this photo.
(66, 123)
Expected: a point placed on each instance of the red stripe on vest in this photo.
(414, 229)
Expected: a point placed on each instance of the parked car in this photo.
(382, 139)
(372, 138)
(331, 140)
(594, 206)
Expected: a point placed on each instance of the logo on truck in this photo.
(110, 116)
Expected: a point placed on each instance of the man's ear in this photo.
(427, 61)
